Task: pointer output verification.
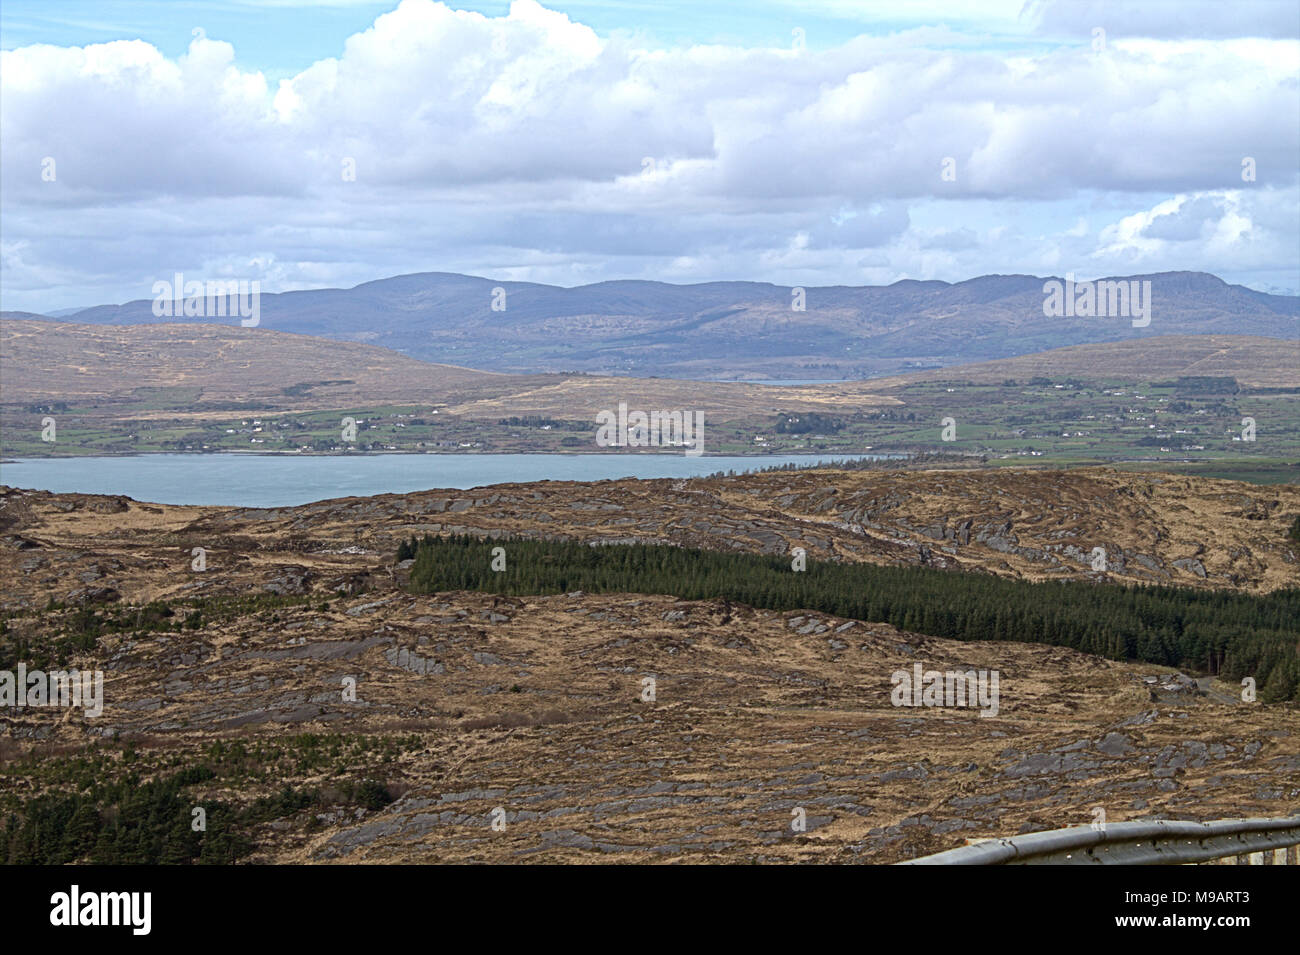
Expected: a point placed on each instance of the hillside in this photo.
(41, 360)
(734, 329)
(1018, 523)
(211, 364)
(191, 369)
(225, 687)
(1255, 362)
(176, 387)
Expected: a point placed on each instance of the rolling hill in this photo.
(42, 360)
(1255, 362)
(187, 387)
(199, 369)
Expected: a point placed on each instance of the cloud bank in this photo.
(527, 146)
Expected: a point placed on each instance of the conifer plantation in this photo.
(1232, 634)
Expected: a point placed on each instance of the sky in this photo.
(828, 142)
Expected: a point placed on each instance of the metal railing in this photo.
(1158, 842)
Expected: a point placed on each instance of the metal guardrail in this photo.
(1159, 842)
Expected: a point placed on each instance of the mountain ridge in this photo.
(729, 329)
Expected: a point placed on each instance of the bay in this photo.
(276, 480)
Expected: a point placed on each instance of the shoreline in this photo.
(880, 455)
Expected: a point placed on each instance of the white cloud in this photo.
(516, 144)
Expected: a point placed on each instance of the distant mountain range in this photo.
(730, 329)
